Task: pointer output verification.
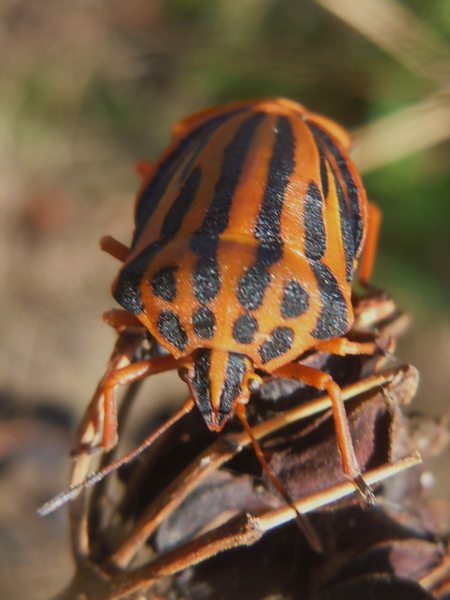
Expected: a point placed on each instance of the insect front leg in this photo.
(324, 381)
(125, 376)
(128, 342)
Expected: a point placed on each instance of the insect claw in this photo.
(367, 495)
(385, 346)
(389, 355)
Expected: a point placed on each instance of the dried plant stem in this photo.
(437, 576)
(222, 451)
(402, 133)
(246, 530)
(396, 30)
(121, 356)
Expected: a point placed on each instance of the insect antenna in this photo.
(72, 492)
(302, 521)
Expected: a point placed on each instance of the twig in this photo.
(221, 452)
(246, 530)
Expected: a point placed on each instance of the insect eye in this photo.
(254, 385)
(184, 374)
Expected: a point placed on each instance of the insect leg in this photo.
(130, 374)
(128, 341)
(307, 529)
(324, 381)
(144, 168)
(72, 492)
(114, 247)
(342, 346)
(120, 320)
(370, 245)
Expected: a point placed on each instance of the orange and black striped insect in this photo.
(247, 236)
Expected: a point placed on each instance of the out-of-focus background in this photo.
(89, 87)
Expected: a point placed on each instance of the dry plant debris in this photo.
(194, 517)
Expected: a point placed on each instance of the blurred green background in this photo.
(89, 87)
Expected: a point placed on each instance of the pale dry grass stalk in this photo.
(402, 133)
(396, 30)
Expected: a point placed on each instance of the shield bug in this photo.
(248, 232)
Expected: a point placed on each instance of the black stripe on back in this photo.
(254, 282)
(126, 290)
(347, 230)
(351, 188)
(333, 318)
(206, 274)
(234, 155)
(315, 237)
(153, 193)
(181, 206)
(282, 163)
(323, 172)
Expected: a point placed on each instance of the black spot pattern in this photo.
(315, 237)
(333, 318)
(233, 382)
(279, 343)
(254, 282)
(251, 287)
(204, 323)
(295, 300)
(164, 284)
(206, 279)
(244, 329)
(170, 327)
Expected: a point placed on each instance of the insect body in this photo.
(246, 241)
(247, 236)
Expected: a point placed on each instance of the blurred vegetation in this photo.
(146, 64)
(90, 87)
